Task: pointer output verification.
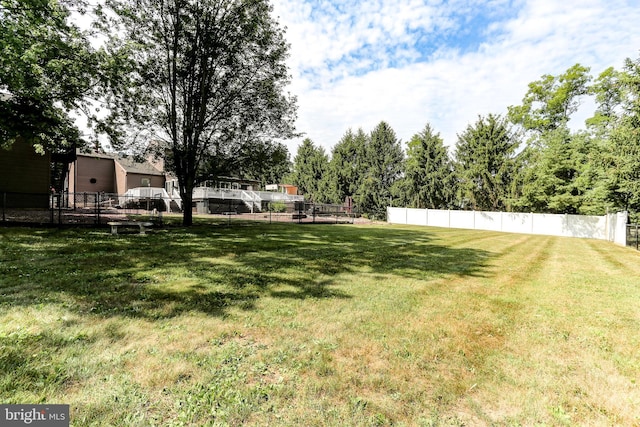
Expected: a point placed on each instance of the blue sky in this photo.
(413, 62)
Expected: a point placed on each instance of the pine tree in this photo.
(383, 167)
(346, 166)
(310, 168)
(485, 165)
(429, 177)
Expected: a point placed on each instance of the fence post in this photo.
(4, 203)
(59, 208)
(51, 209)
(98, 206)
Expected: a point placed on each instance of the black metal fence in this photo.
(292, 212)
(633, 235)
(99, 208)
(72, 208)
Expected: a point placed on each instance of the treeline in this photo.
(527, 160)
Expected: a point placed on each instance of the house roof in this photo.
(94, 154)
(127, 163)
(131, 166)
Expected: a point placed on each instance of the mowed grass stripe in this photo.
(320, 325)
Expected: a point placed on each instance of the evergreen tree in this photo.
(429, 180)
(383, 167)
(555, 180)
(485, 164)
(346, 168)
(310, 168)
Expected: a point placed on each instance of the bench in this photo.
(115, 224)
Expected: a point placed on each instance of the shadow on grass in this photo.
(210, 269)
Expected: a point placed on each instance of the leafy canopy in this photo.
(47, 73)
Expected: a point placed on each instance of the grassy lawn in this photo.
(320, 325)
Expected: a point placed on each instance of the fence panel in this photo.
(72, 208)
(633, 235)
(607, 227)
(416, 216)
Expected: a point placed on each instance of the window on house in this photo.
(145, 182)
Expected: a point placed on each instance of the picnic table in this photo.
(142, 225)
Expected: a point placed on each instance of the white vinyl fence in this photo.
(611, 227)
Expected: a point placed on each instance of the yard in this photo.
(327, 325)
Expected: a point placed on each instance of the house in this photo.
(91, 173)
(132, 174)
(232, 183)
(25, 177)
(110, 173)
(291, 190)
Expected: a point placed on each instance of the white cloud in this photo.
(357, 63)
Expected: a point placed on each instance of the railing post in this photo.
(59, 208)
(51, 209)
(98, 206)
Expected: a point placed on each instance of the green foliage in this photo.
(47, 72)
(309, 171)
(346, 168)
(550, 101)
(201, 78)
(613, 168)
(267, 162)
(429, 180)
(383, 167)
(277, 207)
(608, 97)
(565, 172)
(555, 180)
(485, 164)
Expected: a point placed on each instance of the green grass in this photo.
(258, 324)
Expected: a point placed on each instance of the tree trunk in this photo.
(187, 208)
(186, 193)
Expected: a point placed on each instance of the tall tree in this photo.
(203, 77)
(346, 167)
(550, 101)
(555, 180)
(429, 180)
(616, 127)
(265, 162)
(47, 72)
(552, 174)
(383, 167)
(484, 162)
(310, 167)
